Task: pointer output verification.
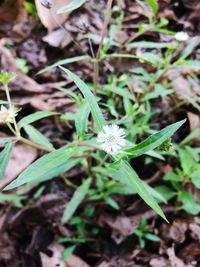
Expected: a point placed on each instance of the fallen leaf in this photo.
(49, 17)
(56, 259)
(22, 156)
(194, 120)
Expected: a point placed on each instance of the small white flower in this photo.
(112, 138)
(7, 115)
(181, 36)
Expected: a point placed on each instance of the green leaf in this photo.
(15, 199)
(154, 140)
(65, 61)
(68, 252)
(189, 49)
(187, 162)
(189, 64)
(35, 117)
(152, 237)
(120, 91)
(71, 163)
(74, 4)
(4, 158)
(151, 45)
(77, 198)
(147, 56)
(189, 203)
(81, 120)
(134, 181)
(37, 137)
(46, 167)
(195, 178)
(89, 97)
(151, 58)
(154, 5)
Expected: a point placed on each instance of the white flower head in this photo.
(112, 138)
(7, 115)
(181, 36)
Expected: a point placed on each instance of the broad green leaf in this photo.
(46, 167)
(81, 120)
(195, 177)
(134, 181)
(89, 97)
(4, 158)
(74, 4)
(189, 203)
(187, 162)
(154, 5)
(37, 137)
(35, 117)
(154, 140)
(77, 198)
(65, 61)
(151, 45)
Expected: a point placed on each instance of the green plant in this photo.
(144, 233)
(106, 164)
(186, 173)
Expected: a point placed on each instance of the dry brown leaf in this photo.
(55, 260)
(22, 82)
(194, 120)
(14, 20)
(58, 38)
(22, 156)
(175, 261)
(159, 262)
(49, 18)
(121, 227)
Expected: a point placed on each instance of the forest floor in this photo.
(31, 231)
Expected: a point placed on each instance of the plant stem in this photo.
(103, 35)
(105, 26)
(17, 132)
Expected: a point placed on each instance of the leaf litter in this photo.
(30, 235)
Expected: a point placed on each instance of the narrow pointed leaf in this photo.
(154, 5)
(35, 117)
(138, 185)
(89, 97)
(64, 62)
(154, 140)
(77, 198)
(46, 167)
(4, 158)
(37, 137)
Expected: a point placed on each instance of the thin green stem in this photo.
(17, 132)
